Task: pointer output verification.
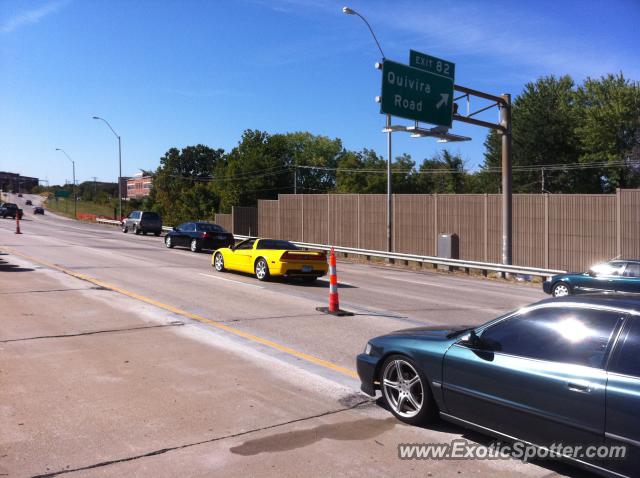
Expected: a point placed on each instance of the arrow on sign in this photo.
(443, 101)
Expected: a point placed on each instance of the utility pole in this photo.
(389, 196)
(295, 180)
(94, 187)
(507, 197)
(542, 181)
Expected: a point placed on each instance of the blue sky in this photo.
(171, 73)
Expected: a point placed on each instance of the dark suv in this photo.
(142, 222)
(11, 210)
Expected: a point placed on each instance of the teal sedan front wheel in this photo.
(561, 290)
(406, 391)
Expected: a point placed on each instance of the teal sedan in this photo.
(622, 275)
(559, 371)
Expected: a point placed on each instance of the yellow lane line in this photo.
(175, 310)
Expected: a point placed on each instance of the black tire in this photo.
(561, 289)
(218, 262)
(428, 409)
(157, 233)
(168, 242)
(125, 229)
(261, 269)
(195, 245)
(136, 231)
(144, 233)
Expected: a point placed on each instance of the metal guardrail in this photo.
(459, 263)
(437, 261)
(115, 222)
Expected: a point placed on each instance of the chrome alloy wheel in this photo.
(402, 388)
(560, 290)
(261, 269)
(218, 262)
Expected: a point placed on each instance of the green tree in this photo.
(183, 184)
(442, 173)
(543, 133)
(609, 128)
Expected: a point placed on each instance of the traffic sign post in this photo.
(416, 94)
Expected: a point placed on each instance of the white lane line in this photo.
(339, 282)
(418, 282)
(230, 280)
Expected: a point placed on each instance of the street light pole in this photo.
(119, 165)
(75, 195)
(350, 11)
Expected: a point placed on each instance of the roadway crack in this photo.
(94, 332)
(211, 440)
(52, 290)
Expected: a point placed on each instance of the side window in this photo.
(182, 227)
(190, 227)
(627, 361)
(632, 270)
(248, 244)
(557, 334)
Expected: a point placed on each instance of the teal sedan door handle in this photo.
(579, 386)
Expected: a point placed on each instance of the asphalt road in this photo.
(273, 325)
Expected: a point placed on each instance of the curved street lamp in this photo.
(75, 195)
(119, 165)
(350, 11)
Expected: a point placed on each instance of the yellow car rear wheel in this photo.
(262, 269)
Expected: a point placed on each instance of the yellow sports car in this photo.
(270, 257)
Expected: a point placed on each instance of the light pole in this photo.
(75, 196)
(350, 11)
(119, 165)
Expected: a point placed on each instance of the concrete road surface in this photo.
(120, 357)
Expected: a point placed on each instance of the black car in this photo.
(28, 202)
(199, 235)
(559, 371)
(142, 222)
(38, 210)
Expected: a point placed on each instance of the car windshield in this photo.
(150, 215)
(276, 244)
(208, 227)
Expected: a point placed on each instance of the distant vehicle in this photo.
(19, 195)
(199, 235)
(142, 222)
(621, 275)
(38, 210)
(28, 202)
(9, 209)
(559, 371)
(270, 257)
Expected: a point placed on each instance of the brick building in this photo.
(16, 182)
(139, 186)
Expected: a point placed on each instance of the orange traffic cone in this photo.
(18, 224)
(334, 301)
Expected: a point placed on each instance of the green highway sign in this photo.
(61, 193)
(416, 94)
(432, 64)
